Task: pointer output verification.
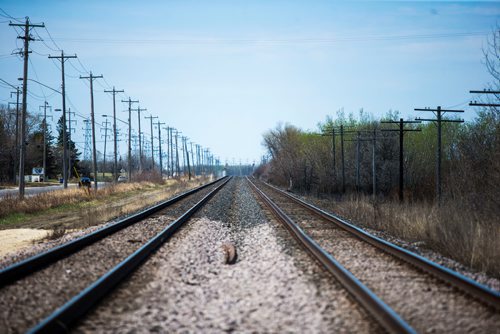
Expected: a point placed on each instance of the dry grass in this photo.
(65, 206)
(49, 200)
(468, 236)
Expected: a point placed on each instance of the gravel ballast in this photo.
(272, 287)
(27, 301)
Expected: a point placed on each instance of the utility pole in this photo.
(45, 106)
(192, 158)
(63, 59)
(358, 158)
(138, 109)
(187, 156)
(92, 120)
(178, 168)
(438, 122)
(333, 153)
(159, 124)
(169, 156)
(152, 146)
(70, 129)
(374, 169)
(402, 131)
(105, 124)
(129, 155)
(27, 38)
(477, 104)
(16, 151)
(115, 133)
(342, 156)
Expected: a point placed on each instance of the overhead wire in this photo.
(7, 15)
(307, 40)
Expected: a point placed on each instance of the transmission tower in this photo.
(87, 150)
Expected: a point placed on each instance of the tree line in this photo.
(304, 160)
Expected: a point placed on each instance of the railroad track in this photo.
(403, 291)
(76, 275)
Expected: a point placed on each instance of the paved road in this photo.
(30, 191)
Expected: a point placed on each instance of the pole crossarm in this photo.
(484, 91)
(475, 104)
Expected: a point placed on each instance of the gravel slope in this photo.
(273, 286)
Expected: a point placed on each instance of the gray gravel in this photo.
(26, 302)
(417, 247)
(273, 286)
(426, 303)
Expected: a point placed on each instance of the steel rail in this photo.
(385, 315)
(465, 284)
(35, 263)
(65, 316)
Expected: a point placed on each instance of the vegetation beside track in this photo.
(76, 208)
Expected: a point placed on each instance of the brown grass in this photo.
(49, 200)
(468, 236)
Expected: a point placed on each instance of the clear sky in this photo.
(224, 72)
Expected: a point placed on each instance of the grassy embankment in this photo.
(469, 236)
(76, 208)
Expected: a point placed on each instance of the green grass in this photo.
(14, 218)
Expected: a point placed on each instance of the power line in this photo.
(271, 41)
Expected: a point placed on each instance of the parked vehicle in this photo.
(85, 182)
(122, 178)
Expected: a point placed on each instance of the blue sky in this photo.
(223, 72)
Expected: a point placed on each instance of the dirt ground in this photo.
(15, 239)
(19, 235)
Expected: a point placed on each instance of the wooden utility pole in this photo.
(16, 150)
(159, 124)
(115, 133)
(334, 158)
(342, 156)
(92, 120)
(27, 38)
(106, 128)
(138, 109)
(192, 158)
(187, 156)
(152, 144)
(129, 155)
(177, 167)
(374, 168)
(438, 122)
(63, 59)
(401, 131)
(45, 106)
